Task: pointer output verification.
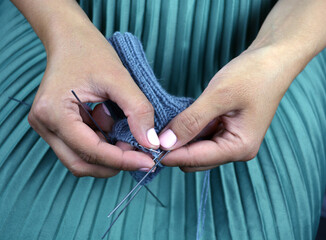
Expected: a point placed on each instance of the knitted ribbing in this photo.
(166, 106)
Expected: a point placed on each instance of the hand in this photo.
(231, 116)
(82, 60)
(236, 109)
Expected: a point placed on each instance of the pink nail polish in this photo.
(144, 169)
(152, 137)
(168, 139)
(106, 110)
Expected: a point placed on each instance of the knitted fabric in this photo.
(166, 106)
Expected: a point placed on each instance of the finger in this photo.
(85, 116)
(103, 117)
(189, 123)
(124, 146)
(76, 165)
(84, 141)
(210, 129)
(70, 159)
(138, 110)
(207, 153)
(196, 169)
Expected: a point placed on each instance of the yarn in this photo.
(202, 206)
(166, 106)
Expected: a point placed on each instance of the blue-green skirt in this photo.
(277, 195)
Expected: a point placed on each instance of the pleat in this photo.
(277, 195)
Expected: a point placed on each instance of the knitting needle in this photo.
(158, 160)
(150, 149)
(154, 196)
(99, 128)
(108, 140)
(93, 120)
(95, 123)
(20, 101)
(121, 211)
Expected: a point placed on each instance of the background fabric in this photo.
(277, 195)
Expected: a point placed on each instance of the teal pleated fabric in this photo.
(277, 195)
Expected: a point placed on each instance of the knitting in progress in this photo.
(166, 106)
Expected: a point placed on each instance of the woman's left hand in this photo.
(232, 115)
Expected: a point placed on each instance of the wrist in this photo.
(290, 57)
(62, 26)
(55, 22)
(295, 32)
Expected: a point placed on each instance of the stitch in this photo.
(156, 159)
(166, 106)
(100, 129)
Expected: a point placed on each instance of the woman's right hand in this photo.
(79, 58)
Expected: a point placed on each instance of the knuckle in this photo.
(77, 171)
(78, 174)
(252, 153)
(249, 149)
(89, 157)
(119, 71)
(192, 161)
(109, 174)
(185, 170)
(39, 111)
(196, 163)
(144, 108)
(31, 120)
(189, 123)
(122, 163)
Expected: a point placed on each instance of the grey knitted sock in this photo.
(166, 106)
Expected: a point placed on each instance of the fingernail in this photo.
(106, 110)
(168, 139)
(144, 169)
(152, 137)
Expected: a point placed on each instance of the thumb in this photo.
(138, 110)
(189, 123)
